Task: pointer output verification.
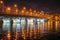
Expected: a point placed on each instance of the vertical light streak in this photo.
(30, 30)
(51, 24)
(49, 27)
(8, 35)
(35, 32)
(46, 27)
(16, 35)
(56, 24)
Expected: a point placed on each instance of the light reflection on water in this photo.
(31, 32)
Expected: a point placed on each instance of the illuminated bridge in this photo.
(27, 22)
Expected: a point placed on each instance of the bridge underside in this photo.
(20, 15)
(27, 26)
(25, 22)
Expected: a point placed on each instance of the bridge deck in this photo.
(20, 15)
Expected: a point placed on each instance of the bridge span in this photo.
(27, 23)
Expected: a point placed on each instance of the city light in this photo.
(26, 22)
(8, 9)
(16, 20)
(6, 20)
(31, 13)
(1, 2)
(24, 8)
(27, 12)
(16, 11)
(34, 11)
(22, 11)
(15, 5)
(42, 20)
(30, 10)
(56, 18)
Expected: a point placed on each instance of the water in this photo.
(30, 30)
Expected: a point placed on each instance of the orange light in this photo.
(30, 9)
(8, 8)
(27, 12)
(1, 2)
(42, 12)
(34, 11)
(38, 12)
(15, 5)
(16, 34)
(22, 11)
(24, 7)
(8, 35)
(16, 10)
(30, 13)
(56, 17)
(56, 24)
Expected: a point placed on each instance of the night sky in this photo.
(45, 5)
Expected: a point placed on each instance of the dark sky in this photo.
(46, 5)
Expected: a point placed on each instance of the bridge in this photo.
(15, 19)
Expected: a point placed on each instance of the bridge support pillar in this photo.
(1, 32)
(53, 28)
(26, 27)
(1, 23)
(11, 30)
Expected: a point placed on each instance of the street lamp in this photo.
(27, 12)
(23, 10)
(42, 12)
(15, 5)
(8, 9)
(35, 12)
(15, 9)
(30, 11)
(1, 2)
(1, 6)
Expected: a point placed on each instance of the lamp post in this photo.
(23, 11)
(30, 11)
(15, 10)
(1, 6)
(8, 9)
(35, 13)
